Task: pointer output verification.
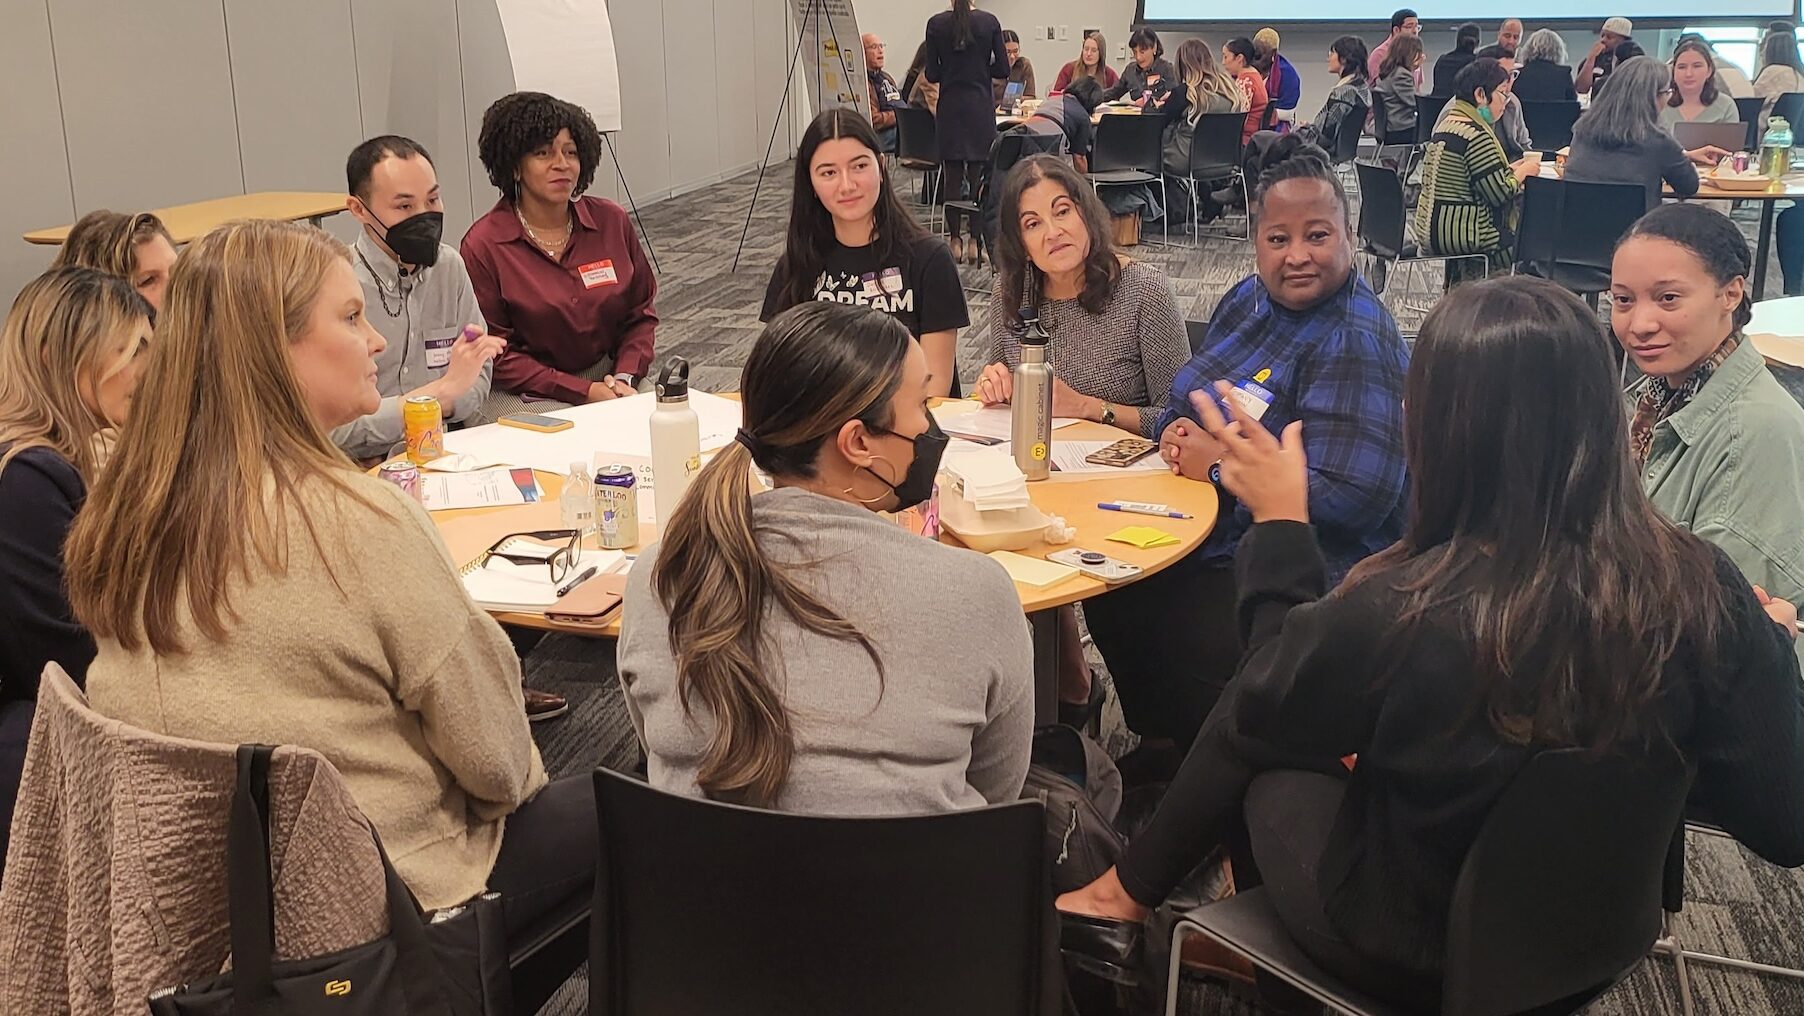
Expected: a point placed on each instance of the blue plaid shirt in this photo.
(1339, 368)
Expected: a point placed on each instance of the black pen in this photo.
(577, 581)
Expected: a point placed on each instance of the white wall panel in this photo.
(294, 71)
(644, 141)
(692, 105)
(147, 102)
(37, 192)
(735, 61)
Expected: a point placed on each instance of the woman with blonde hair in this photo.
(70, 354)
(1203, 88)
(794, 650)
(276, 594)
(137, 248)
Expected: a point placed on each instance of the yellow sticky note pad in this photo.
(1144, 537)
(1031, 571)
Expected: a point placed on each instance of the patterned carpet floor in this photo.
(1737, 905)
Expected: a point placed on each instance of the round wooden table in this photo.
(467, 533)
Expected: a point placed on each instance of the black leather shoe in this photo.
(1101, 946)
(1081, 717)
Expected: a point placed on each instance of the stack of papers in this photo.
(526, 587)
(986, 478)
(985, 425)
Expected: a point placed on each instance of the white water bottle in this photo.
(676, 440)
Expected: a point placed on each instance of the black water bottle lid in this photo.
(673, 384)
(1032, 331)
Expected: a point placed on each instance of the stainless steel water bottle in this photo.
(1030, 425)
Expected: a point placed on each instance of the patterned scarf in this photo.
(1660, 399)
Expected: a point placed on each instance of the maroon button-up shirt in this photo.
(562, 317)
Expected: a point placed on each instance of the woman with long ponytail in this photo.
(965, 53)
(794, 649)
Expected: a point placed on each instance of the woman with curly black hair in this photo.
(559, 274)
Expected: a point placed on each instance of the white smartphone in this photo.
(1095, 564)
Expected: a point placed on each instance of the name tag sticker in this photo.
(598, 273)
(1252, 398)
(438, 348)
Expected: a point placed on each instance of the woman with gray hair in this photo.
(1543, 74)
(1620, 140)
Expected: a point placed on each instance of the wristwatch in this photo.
(626, 379)
(1108, 415)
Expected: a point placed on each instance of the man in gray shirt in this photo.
(416, 293)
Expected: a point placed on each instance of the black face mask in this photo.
(917, 483)
(415, 239)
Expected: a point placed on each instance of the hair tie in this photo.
(752, 444)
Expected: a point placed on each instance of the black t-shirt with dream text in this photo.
(918, 285)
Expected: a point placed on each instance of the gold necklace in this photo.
(551, 248)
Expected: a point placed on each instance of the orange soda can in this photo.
(424, 424)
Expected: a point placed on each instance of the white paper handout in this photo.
(1068, 457)
(989, 423)
(604, 431)
(485, 488)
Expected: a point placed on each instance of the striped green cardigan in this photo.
(1468, 201)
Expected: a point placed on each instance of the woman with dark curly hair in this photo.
(558, 274)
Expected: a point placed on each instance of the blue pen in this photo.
(1142, 508)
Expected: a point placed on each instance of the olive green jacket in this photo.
(1729, 467)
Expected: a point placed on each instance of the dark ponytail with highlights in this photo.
(814, 368)
(962, 35)
(1712, 238)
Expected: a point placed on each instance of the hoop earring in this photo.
(867, 502)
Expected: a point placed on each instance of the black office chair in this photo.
(1215, 154)
(1428, 113)
(1196, 332)
(1673, 901)
(1550, 123)
(1748, 112)
(1558, 898)
(1568, 231)
(1790, 105)
(1383, 216)
(918, 148)
(702, 907)
(1131, 150)
(1727, 136)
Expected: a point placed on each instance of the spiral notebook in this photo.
(527, 588)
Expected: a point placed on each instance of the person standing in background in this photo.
(559, 274)
(1282, 85)
(1403, 22)
(415, 292)
(965, 52)
(1395, 90)
(1020, 69)
(1542, 72)
(884, 96)
(1465, 46)
(1509, 34)
(1092, 62)
(1602, 58)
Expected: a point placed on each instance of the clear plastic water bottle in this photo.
(574, 501)
(1775, 149)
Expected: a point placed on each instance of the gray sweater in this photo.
(949, 725)
(1649, 163)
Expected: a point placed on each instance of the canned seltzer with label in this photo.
(616, 507)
